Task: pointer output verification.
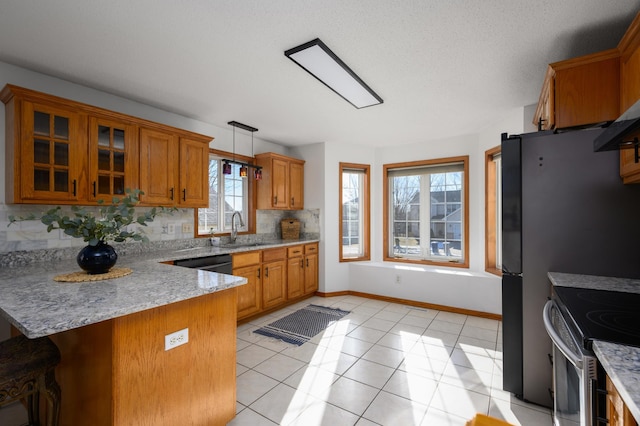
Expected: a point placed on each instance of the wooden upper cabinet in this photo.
(173, 170)
(282, 183)
(581, 91)
(112, 153)
(296, 188)
(158, 171)
(194, 173)
(46, 147)
(629, 48)
(65, 152)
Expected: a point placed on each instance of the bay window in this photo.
(426, 211)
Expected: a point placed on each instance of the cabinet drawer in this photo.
(295, 251)
(311, 248)
(245, 259)
(274, 254)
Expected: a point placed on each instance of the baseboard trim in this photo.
(415, 303)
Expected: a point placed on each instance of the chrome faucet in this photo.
(234, 228)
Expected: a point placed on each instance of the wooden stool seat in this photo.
(27, 368)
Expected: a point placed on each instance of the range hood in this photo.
(622, 133)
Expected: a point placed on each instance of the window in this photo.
(354, 212)
(493, 211)
(227, 193)
(426, 214)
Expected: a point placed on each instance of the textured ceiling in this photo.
(443, 67)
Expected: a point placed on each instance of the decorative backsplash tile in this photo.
(28, 241)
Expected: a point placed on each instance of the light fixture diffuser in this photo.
(319, 61)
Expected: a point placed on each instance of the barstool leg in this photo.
(52, 394)
(33, 405)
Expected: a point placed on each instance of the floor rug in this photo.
(300, 326)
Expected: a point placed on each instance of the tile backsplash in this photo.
(33, 235)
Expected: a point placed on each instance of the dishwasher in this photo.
(220, 263)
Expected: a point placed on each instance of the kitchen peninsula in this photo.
(111, 334)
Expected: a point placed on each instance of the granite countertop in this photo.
(621, 362)
(38, 306)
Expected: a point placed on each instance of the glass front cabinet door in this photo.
(51, 153)
(112, 145)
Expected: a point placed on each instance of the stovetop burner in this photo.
(603, 315)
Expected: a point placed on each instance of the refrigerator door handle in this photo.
(575, 359)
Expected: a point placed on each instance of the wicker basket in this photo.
(290, 229)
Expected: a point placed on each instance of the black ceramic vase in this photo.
(97, 259)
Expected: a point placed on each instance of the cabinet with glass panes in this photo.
(46, 158)
(64, 152)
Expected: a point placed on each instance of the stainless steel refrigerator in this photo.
(564, 209)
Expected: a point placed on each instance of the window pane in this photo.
(352, 213)
(426, 211)
(118, 139)
(61, 127)
(41, 123)
(104, 136)
(41, 151)
(227, 193)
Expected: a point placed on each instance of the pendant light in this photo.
(244, 167)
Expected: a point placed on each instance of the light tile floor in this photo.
(383, 364)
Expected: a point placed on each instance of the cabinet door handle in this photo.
(171, 191)
(184, 194)
(266, 272)
(94, 188)
(275, 200)
(258, 272)
(301, 263)
(293, 201)
(307, 263)
(74, 187)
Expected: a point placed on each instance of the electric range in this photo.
(600, 314)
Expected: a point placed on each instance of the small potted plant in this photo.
(109, 224)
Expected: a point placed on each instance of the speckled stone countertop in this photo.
(621, 362)
(625, 285)
(38, 306)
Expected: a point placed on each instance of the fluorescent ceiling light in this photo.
(319, 61)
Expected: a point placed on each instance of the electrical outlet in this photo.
(187, 228)
(176, 339)
(398, 280)
(171, 228)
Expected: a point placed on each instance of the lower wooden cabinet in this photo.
(310, 268)
(247, 265)
(617, 412)
(274, 284)
(275, 276)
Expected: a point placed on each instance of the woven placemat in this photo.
(82, 276)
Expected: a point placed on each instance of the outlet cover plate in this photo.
(176, 339)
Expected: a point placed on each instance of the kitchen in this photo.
(471, 289)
